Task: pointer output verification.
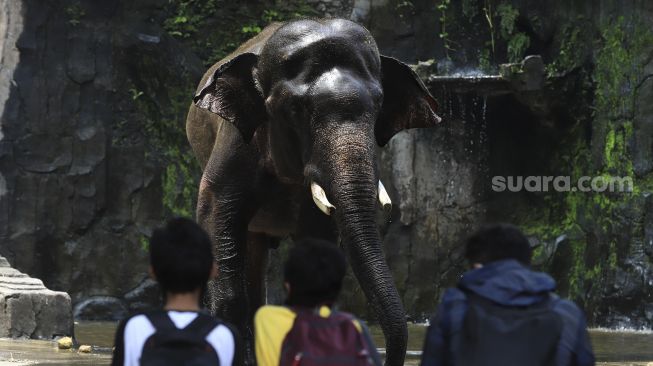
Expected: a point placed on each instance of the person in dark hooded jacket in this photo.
(500, 257)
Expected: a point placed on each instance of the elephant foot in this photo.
(249, 355)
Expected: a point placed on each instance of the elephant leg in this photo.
(256, 264)
(224, 213)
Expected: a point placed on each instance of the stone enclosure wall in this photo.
(80, 188)
(93, 154)
(591, 118)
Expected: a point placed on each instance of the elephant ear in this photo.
(406, 101)
(231, 93)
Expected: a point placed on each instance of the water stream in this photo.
(612, 347)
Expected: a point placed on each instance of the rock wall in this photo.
(81, 188)
(590, 119)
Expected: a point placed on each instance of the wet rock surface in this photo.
(100, 308)
(80, 190)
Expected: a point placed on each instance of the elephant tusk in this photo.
(384, 198)
(320, 199)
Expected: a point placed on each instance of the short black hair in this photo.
(496, 242)
(314, 270)
(181, 256)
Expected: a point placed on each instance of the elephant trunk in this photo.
(354, 193)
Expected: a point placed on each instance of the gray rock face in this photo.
(80, 189)
(29, 309)
(436, 179)
(440, 180)
(100, 308)
(144, 297)
(403, 29)
(333, 8)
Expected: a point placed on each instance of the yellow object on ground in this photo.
(85, 349)
(65, 343)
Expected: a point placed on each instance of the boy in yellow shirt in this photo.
(307, 330)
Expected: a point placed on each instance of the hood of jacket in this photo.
(508, 282)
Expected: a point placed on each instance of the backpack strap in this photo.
(342, 315)
(202, 325)
(161, 321)
(368, 342)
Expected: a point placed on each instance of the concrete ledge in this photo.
(28, 309)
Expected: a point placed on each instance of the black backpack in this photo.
(494, 334)
(179, 347)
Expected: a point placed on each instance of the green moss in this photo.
(214, 28)
(74, 13)
(470, 8)
(161, 113)
(538, 253)
(615, 155)
(612, 257)
(406, 8)
(180, 183)
(587, 218)
(443, 7)
(501, 21)
(517, 45)
(578, 270)
(484, 60)
(609, 147)
(508, 16)
(619, 66)
(619, 69)
(574, 42)
(144, 242)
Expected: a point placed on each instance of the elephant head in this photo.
(319, 96)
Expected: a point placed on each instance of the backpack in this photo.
(495, 334)
(331, 341)
(170, 345)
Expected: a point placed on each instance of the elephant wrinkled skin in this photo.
(285, 130)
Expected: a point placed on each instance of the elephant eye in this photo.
(293, 67)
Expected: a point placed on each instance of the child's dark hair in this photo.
(496, 242)
(315, 270)
(181, 257)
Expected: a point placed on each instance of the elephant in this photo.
(285, 130)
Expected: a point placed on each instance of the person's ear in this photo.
(150, 272)
(406, 101)
(231, 93)
(214, 271)
(286, 287)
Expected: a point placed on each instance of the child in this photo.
(307, 331)
(181, 262)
